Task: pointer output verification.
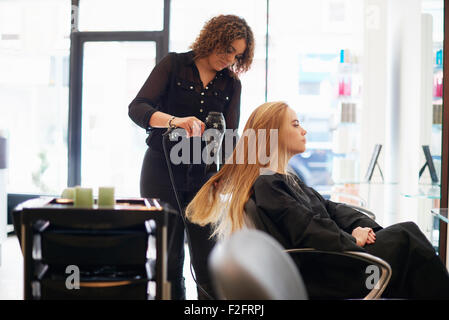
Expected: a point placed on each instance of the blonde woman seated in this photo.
(300, 218)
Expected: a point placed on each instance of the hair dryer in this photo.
(213, 136)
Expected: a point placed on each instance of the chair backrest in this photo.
(252, 265)
(261, 221)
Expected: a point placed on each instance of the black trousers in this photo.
(155, 183)
(418, 273)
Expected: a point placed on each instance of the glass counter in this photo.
(424, 191)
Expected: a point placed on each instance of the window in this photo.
(130, 15)
(34, 50)
(112, 145)
(108, 68)
(314, 67)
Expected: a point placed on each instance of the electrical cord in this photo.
(181, 211)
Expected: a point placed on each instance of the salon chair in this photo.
(250, 266)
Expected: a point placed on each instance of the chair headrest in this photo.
(253, 265)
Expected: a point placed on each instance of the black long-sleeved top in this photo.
(299, 217)
(175, 87)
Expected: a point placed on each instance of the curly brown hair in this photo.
(218, 33)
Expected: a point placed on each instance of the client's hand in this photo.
(364, 236)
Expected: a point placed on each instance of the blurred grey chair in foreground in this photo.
(251, 265)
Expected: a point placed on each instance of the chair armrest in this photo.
(385, 268)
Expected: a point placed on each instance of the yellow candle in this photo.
(106, 197)
(68, 193)
(83, 197)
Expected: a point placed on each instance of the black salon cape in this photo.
(299, 217)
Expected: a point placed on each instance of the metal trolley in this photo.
(96, 253)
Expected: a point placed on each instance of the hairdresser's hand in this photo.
(364, 236)
(193, 126)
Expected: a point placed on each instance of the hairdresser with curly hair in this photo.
(180, 91)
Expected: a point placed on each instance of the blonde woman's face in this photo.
(222, 60)
(295, 135)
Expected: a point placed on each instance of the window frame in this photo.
(78, 39)
(444, 196)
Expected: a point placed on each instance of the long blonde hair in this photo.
(220, 202)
